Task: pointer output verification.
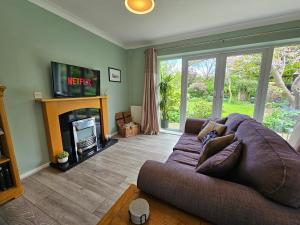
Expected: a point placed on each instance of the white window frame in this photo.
(264, 73)
(221, 58)
(184, 84)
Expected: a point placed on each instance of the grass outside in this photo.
(228, 108)
(237, 107)
(234, 107)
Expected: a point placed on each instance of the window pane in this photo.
(241, 81)
(201, 77)
(283, 101)
(170, 92)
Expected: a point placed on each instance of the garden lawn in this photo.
(237, 107)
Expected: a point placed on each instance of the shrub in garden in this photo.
(274, 93)
(198, 89)
(199, 108)
(174, 115)
(281, 119)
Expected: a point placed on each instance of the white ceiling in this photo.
(171, 20)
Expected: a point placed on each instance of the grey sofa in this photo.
(263, 189)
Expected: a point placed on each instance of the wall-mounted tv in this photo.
(74, 81)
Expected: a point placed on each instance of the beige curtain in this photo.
(149, 123)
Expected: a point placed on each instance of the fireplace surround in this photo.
(54, 108)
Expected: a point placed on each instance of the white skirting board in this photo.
(114, 134)
(31, 172)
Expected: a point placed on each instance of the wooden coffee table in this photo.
(160, 212)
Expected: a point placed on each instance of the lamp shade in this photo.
(140, 6)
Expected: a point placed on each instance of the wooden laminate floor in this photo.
(83, 194)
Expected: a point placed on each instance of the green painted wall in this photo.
(30, 38)
(255, 37)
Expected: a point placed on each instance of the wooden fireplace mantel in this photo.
(53, 107)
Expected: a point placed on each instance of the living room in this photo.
(161, 92)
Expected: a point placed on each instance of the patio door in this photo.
(170, 92)
(198, 88)
(221, 84)
(282, 106)
(262, 83)
(242, 84)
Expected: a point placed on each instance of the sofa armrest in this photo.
(215, 200)
(193, 126)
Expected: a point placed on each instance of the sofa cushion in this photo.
(220, 164)
(268, 163)
(222, 120)
(213, 146)
(217, 120)
(189, 143)
(220, 128)
(233, 121)
(186, 158)
(181, 165)
(210, 135)
(193, 126)
(215, 200)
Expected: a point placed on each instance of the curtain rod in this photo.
(222, 40)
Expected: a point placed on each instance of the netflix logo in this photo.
(79, 81)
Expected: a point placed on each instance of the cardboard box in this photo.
(126, 127)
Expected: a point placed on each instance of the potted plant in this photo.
(165, 89)
(63, 157)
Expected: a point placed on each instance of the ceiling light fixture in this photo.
(140, 6)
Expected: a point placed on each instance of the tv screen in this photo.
(74, 81)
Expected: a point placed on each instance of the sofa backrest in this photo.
(233, 121)
(268, 163)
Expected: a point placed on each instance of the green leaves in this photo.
(62, 155)
(165, 89)
(281, 119)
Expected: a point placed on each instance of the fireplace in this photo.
(81, 133)
(61, 115)
(85, 135)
